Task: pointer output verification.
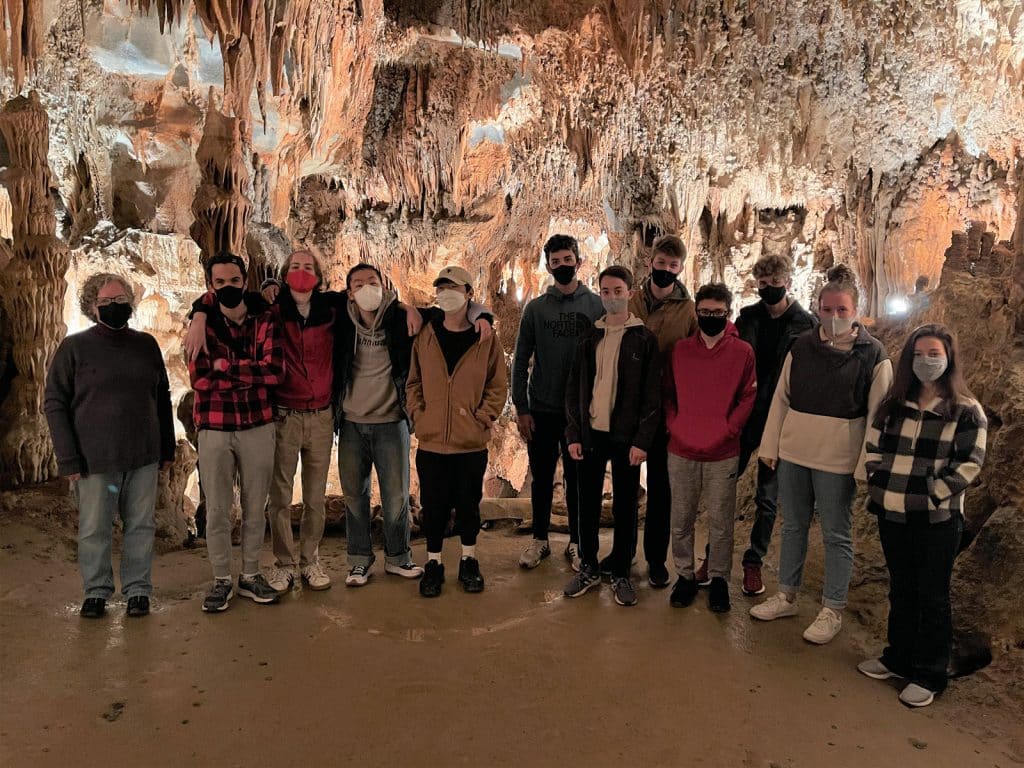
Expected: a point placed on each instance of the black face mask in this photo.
(564, 274)
(115, 315)
(663, 278)
(772, 294)
(711, 326)
(230, 296)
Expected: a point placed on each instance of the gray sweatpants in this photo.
(251, 452)
(715, 482)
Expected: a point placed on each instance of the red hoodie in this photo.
(709, 394)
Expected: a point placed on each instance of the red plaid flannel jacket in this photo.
(240, 397)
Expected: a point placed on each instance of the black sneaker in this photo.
(138, 606)
(718, 595)
(258, 590)
(469, 575)
(683, 593)
(585, 579)
(623, 590)
(432, 579)
(219, 596)
(657, 576)
(93, 608)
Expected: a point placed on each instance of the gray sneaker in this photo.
(587, 578)
(218, 597)
(257, 590)
(915, 695)
(876, 669)
(624, 592)
(534, 553)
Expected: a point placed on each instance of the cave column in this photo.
(32, 286)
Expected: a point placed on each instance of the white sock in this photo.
(249, 576)
(468, 551)
(435, 556)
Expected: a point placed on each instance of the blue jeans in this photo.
(132, 496)
(801, 490)
(362, 447)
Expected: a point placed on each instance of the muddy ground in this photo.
(379, 676)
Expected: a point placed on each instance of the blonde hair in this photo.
(91, 289)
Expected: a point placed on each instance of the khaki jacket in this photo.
(454, 414)
(673, 319)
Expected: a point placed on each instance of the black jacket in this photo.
(636, 415)
(795, 321)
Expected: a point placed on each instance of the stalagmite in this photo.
(31, 293)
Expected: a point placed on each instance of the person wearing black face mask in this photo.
(665, 307)
(709, 394)
(85, 383)
(551, 326)
(769, 326)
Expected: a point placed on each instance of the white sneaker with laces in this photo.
(406, 570)
(572, 554)
(777, 606)
(534, 553)
(281, 579)
(824, 627)
(316, 577)
(357, 576)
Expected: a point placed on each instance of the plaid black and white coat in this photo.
(921, 461)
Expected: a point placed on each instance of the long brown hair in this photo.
(950, 386)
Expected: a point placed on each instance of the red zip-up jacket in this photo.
(708, 396)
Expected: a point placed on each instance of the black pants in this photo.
(659, 502)
(450, 481)
(765, 510)
(625, 486)
(547, 445)
(920, 557)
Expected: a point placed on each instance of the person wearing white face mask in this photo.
(925, 446)
(456, 390)
(374, 354)
(830, 386)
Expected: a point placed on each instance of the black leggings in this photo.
(450, 481)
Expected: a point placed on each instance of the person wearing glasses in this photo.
(108, 404)
(831, 384)
(613, 410)
(710, 388)
(925, 446)
(663, 304)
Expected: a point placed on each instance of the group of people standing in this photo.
(640, 373)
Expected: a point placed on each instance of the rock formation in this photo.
(32, 269)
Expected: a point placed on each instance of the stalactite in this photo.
(167, 11)
(21, 43)
(31, 293)
(220, 207)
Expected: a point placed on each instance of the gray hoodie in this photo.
(371, 397)
(548, 334)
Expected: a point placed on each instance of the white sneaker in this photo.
(281, 579)
(825, 627)
(778, 606)
(534, 553)
(572, 554)
(874, 668)
(915, 695)
(315, 577)
(407, 570)
(357, 576)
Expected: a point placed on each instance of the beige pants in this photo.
(309, 435)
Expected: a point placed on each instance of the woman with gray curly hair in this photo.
(108, 404)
